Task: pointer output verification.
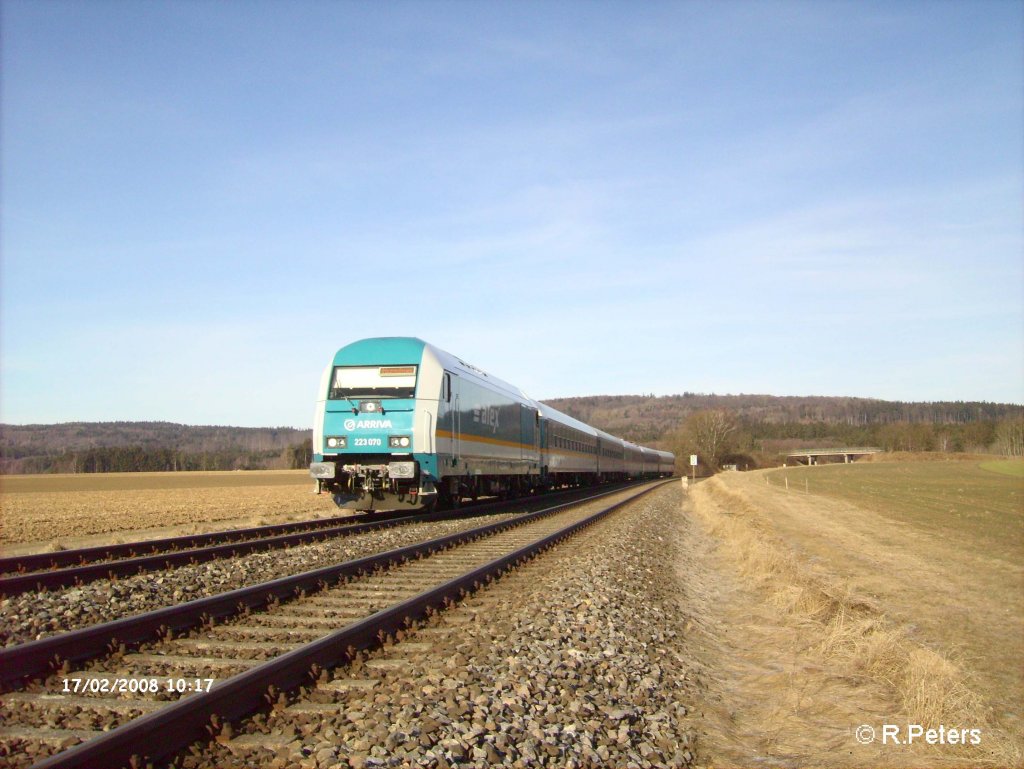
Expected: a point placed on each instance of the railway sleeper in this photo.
(200, 644)
(345, 685)
(59, 738)
(329, 612)
(60, 702)
(349, 601)
(283, 633)
(243, 744)
(355, 601)
(370, 586)
(299, 621)
(149, 661)
(389, 663)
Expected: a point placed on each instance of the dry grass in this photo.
(943, 498)
(931, 688)
(924, 456)
(847, 632)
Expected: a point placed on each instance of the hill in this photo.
(764, 428)
(112, 446)
(761, 429)
(645, 418)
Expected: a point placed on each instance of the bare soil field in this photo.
(887, 594)
(48, 512)
(27, 484)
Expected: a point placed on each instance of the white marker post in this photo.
(693, 466)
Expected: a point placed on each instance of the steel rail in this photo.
(75, 567)
(127, 567)
(21, 663)
(64, 558)
(171, 730)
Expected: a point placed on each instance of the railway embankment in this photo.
(837, 633)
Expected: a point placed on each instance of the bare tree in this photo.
(1010, 437)
(712, 433)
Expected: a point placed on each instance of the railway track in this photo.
(237, 652)
(50, 571)
(61, 559)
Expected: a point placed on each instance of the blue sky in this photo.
(202, 201)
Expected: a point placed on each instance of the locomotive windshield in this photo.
(373, 382)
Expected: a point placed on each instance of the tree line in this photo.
(139, 459)
(750, 430)
(719, 437)
(759, 430)
(648, 418)
(146, 446)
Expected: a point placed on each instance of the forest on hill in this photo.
(747, 430)
(758, 430)
(89, 447)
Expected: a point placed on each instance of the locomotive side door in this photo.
(529, 438)
(449, 419)
(457, 422)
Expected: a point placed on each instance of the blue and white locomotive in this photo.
(400, 423)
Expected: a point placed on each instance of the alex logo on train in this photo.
(486, 415)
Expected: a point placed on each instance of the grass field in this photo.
(984, 501)
(1012, 467)
(903, 575)
(47, 512)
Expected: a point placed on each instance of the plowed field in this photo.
(47, 512)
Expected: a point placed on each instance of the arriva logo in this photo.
(368, 424)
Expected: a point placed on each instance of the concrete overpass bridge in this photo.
(812, 456)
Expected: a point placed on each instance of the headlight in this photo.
(399, 442)
(337, 442)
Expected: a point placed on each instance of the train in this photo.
(400, 424)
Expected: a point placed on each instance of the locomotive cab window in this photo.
(446, 388)
(373, 382)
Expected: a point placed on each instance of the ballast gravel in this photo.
(575, 659)
(31, 616)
